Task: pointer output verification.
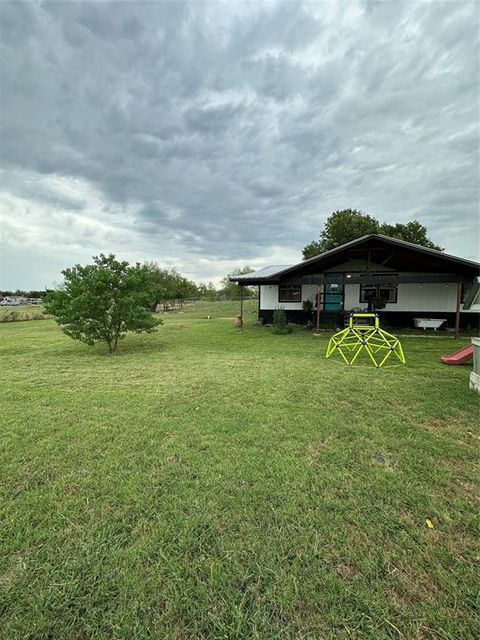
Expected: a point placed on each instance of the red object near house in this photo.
(461, 356)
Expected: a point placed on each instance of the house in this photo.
(402, 280)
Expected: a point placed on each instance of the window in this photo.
(367, 293)
(387, 292)
(290, 293)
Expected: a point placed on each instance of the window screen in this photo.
(290, 293)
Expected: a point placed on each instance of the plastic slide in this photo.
(459, 357)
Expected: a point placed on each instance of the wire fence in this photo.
(174, 304)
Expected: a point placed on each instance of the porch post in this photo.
(457, 311)
(317, 329)
(241, 307)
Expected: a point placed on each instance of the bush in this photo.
(280, 325)
(307, 306)
(379, 303)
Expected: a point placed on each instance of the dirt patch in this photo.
(13, 572)
(348, 571)
(316, 447)
(412, 585)
(460, 424)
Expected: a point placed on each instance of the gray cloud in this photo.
(205, 135)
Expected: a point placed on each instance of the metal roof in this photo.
(266, 272)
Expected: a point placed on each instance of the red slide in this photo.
(459, 357)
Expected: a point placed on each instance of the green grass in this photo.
(215, 309)
(211, 484)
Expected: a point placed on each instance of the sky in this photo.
(206, 136)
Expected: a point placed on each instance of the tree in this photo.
(101, 302)
(341, 227)
(168, 284)
(207, 290)
(183, 287)
(412, 231)
(350, 224)
(231, 288)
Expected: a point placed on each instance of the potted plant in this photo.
(378, 303)
(307, 306)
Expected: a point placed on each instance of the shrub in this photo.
(280, 325)
(379, 303)
(307, 306)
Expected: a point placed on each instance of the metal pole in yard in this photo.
(457, 311)
(241, 306)
(317, 330)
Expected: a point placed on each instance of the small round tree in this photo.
(280, 324)
(103, 301)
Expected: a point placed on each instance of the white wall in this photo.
(411, 297)
(352, 297)
(269, 297)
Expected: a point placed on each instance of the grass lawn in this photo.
(211, 484)
(215, 309)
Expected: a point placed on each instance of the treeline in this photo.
(169, 286)
(26, 294)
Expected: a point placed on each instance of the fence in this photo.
(176, 304)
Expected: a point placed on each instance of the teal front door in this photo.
(333, 297)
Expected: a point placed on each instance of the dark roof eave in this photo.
(388, 240)
(275, 277)
(252, 281)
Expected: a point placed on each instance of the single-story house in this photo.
(410, 281)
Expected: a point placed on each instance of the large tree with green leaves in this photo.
(168, 284)
(350, 224)
(412, 231)
(207, 290)
(103, 301)
(231, 288)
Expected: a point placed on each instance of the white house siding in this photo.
(426, 297)
(352, 297)
(269, 297)
(410, 297)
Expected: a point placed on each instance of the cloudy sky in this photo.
(210, 135)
